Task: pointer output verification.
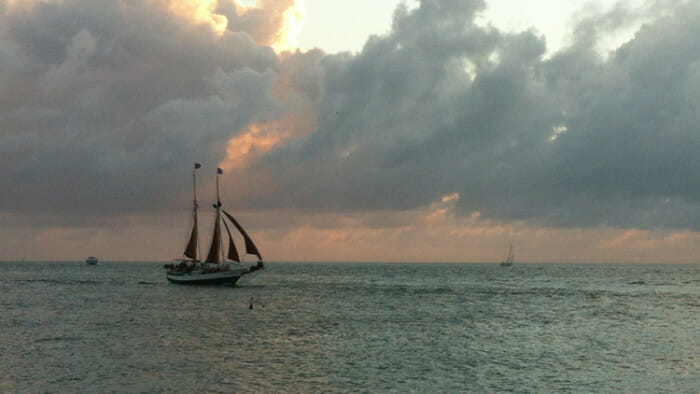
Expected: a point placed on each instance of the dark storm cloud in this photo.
(441, 105)
(104, 106)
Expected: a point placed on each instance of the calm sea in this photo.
(69, 327)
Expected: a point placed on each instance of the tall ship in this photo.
(218, 268)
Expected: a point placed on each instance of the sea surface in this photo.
(321, 327)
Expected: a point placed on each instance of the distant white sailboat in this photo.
(508, 260)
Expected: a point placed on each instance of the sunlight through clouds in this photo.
(287, 16)
(200, 12)
(257, 140)
(287, 38)
(209, 12)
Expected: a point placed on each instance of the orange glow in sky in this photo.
(256, 141)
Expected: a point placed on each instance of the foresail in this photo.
(250, 247)
(232, 252)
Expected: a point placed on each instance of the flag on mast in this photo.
(219, 171)
(197, 165)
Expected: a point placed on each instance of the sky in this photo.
(434, 130)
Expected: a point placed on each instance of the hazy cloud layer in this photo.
(104, 105)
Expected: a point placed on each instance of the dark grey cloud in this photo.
(105, 105)
(441, 105)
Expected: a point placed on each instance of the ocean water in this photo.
(120, 327)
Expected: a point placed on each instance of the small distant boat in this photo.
(92, 260)
(216, 269)
(508, 260)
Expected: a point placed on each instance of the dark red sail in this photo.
(250, 247)
(215, 249)
(191, 250)
(232, 252)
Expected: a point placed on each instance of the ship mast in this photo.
(192, 248)
(219, 171)
(194, 195)
(214, 255)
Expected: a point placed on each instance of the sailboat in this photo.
(508, 261)
(217, 268)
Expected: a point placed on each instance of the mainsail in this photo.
(508, 260)
(215, 249)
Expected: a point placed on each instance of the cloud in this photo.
(268, 22)
(105, 105)
(441, 105)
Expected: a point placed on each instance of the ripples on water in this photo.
(352, 328)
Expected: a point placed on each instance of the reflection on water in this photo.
(352, 327)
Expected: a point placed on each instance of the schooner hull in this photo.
(215, 278)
